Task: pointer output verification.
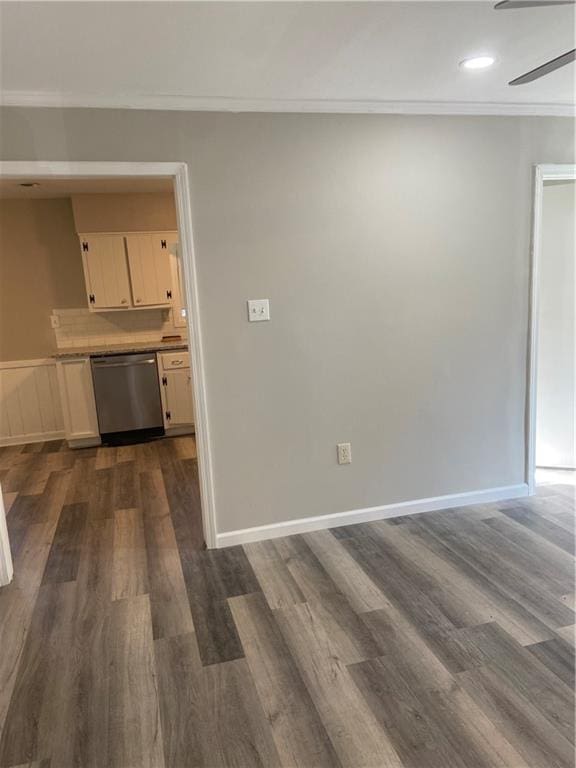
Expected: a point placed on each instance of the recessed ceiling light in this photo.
(477, 62)
(29, 184)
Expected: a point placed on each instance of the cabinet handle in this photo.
(124, 301)
(177, 362)
(138, 301)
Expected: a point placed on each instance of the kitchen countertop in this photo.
(112, 349)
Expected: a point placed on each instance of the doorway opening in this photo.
(127, 369)
(552, 396)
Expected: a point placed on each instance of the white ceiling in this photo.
(293, 56)
(12, 189)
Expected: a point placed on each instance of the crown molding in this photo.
(320, 106)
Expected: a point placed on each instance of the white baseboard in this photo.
(85, 442)
(37, 437)
(183, 429)
(369, 514)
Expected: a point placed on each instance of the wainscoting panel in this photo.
(30, 409)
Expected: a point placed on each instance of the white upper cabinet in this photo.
(150, 269)
(129, 271)
(106, 271)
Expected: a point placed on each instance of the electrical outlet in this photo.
(344, 453)
(55, 321)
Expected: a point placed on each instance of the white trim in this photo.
(320, 106)
(39, 437)
(63, 169)
(84, 442)
(542, 173)
(179, 173)
(6, 565)
(305, 524)
(195, 348)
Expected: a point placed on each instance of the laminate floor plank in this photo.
(438, 640)
(211, 577)
(361, 592)
(273, 576)
(407, 646)
(558, 656)
(211, 716)
(568, 634)
(64, 555)
(394, 581)
(457, 596)
(489, 554)
(305, 568)
(544, 528)
(354, 731)
(81, 485)
(414, 718)
(134, 729)
(126, 487)
(525, 727)
(534, 573)
(102, 500)
(216, 632)
(516, 619)
(558, 564)
(183, 492)
(130, 571)
(105, 457)
(16, 609)
(169, 604)
(556, 509)
(300, 737)
(24, 736)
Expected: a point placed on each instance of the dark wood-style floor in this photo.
(432, 641)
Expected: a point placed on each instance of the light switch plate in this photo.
(54, 321)
(258, 309)
(344, 453)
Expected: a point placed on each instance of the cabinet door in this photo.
(77, 396)
(178, 397)
(150, 269)
(106, 271)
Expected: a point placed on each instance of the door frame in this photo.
(178, 172)
(542, 173)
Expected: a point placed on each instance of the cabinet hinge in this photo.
(164, 381)
(168, 294)
(85, 246)
(92, 298)
(168, 415)
(162, 243)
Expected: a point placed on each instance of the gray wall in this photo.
(394, 251)
(556, 389)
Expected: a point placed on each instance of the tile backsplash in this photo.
(80, 327)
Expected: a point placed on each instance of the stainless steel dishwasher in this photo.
(127, 394)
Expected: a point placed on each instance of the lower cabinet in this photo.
(78, 404)
(176, 387)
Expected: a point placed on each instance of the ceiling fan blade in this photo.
(512, 4)
(545, 69)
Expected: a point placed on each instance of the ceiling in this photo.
(12, 189)
(283, 56)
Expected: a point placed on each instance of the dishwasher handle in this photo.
(128, 364)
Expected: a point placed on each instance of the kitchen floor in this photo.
(441, 640)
